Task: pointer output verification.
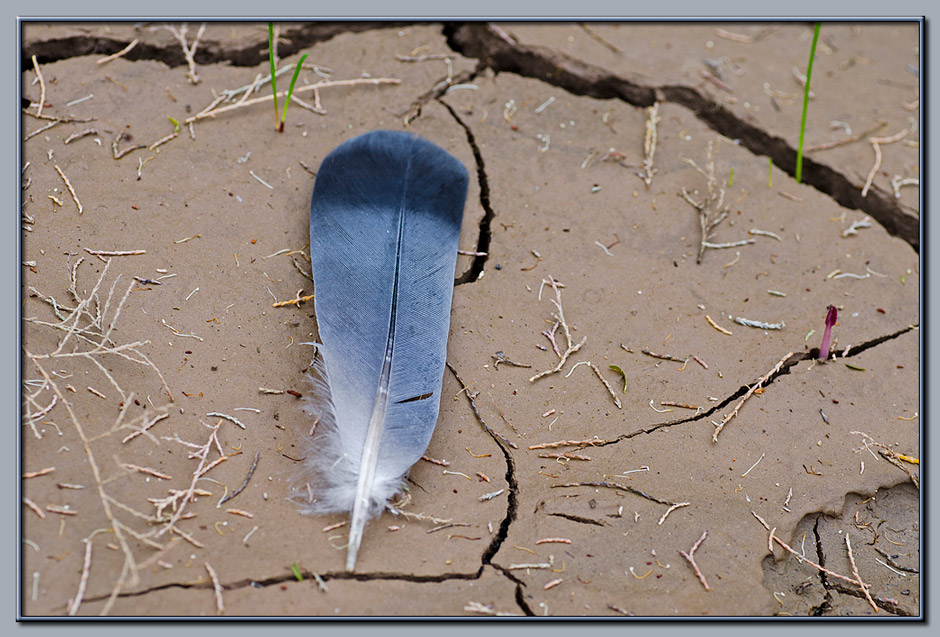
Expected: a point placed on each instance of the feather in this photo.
(384, 223)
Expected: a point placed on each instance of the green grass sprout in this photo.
(290, 90)
(770, 172)
(277, 119)
(281, 117)
(809, 72)
(176, 124)
(296, 571)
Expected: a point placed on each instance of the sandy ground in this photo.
(589, 148)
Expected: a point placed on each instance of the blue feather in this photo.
(384, 223)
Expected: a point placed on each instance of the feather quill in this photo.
(384, 224)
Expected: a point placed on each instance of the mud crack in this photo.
(501, 53)
(825, 607)
(437, 91)
(579, 519)
(511, 508)
(483, 240)
(822, 609)
(853, 350)
(306, 574)
(485, 560)
(294, 37)
(513, 496)
(481, 41)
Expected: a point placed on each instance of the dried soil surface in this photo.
(565, 495)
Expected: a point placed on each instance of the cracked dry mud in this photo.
(551, 120)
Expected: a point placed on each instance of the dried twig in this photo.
(36, 474)
(760, 381)
(114, 253)
(440, 463)
(649, 145)
(690, 556)
(593, 442)
(847, 140)
(91, 323)
(876, 146)
(675, 506)
(564, 456)
(41, 129)
(897, 182)
(297, 300)
(129, 571)
(610, 389)
(61, 510)
(762, 325)
(34, 508)
(716, 81)
(68, 185)
(822, 569)
(712, 322)
(42, 87)
(571, 347)
(202, 452)
(213, 112)
(232, 419)
(597, 37)
(217, 588)
(500, 357)
(80, 134)
(251, 472)
(83, 582)
(118, 153)
(856, 225)
(858, 578)
(486, 609)
(665, 357)
(888, 454)
(120, 53)
(145, 470)
(159, 143)
(58, 119)
(188, 50)
(144, 430)
(734, 37)
(553, 540)
(711, 209)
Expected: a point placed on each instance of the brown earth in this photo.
(550, 119)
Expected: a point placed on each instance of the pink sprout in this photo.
(827, 335)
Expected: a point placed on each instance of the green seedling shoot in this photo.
(273, 79)
(290, 90)
(809, 72)
(281, 116)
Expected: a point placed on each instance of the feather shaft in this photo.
(360, 512)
